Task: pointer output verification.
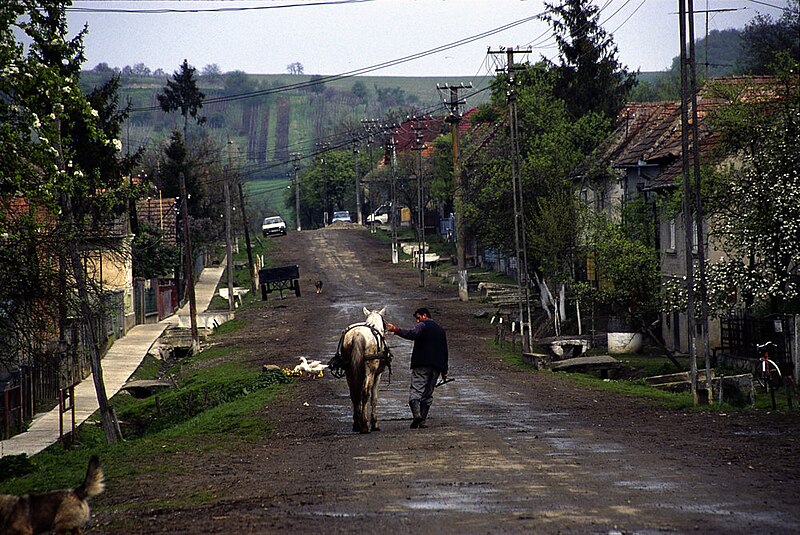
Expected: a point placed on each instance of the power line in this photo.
(160, 11)
(356, 72)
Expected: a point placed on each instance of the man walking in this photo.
(428, 360)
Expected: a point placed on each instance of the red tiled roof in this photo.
(159, 213)
(650, 132)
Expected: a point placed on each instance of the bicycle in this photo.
(768, 373)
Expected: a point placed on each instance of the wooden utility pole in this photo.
(369, 126)
(419, 146)
(687, 205)
(189, 276)
(250, 264)
(296, 168)
(228, 245)
(459, 188)
(326, 216)
(520, 234)
(702, 321)
(359, 213)
(393, 217)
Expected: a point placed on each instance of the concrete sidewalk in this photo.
(120, 362)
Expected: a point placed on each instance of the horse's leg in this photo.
(373, 399)
(355, 398)
(365, 394)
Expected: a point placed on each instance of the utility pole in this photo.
(687, 205)
(393, 159)
(459, 188)
(324, 148)
(359, 214)
(228, 240)
(520, 235)
(295, 159)
(189, 277)
(251, 266)
(419, 146)
(369, 126)
(699, 326)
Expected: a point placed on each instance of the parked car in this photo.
(341, 215)
(381, 215)
(273, 225)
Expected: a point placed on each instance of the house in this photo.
(157, 298)
(645, 155)
(41, 332)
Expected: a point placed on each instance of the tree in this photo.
(755, 201)
(182, 93)
(152, 256)
(764, 37)
(212, 73)
(140, 69)
(359, 90)
(590, 78)
(331, 174)
(238, 82)
(295, 68)
(61, 165)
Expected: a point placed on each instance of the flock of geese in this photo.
(311, 368)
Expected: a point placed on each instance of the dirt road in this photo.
(507, 450)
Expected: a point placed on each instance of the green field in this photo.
(267, 197)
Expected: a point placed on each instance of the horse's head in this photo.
(375, 319)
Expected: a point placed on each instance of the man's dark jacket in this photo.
(430, 345)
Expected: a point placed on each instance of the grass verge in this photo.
(217, 404)
(648, 366)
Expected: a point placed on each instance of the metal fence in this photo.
(741, 334)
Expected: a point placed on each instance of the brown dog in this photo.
(65, 511)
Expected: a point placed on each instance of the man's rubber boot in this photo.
(423, 411)
(415, 412)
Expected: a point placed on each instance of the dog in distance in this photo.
(63, 511)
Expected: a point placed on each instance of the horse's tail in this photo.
(357, 351)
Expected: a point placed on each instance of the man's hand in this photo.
(391, 328)
(444, 376)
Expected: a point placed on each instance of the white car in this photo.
(273, 225)
(342, 215)
(381, 215)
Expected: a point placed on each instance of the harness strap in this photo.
(337, 365)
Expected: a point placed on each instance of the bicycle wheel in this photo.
(769, 376)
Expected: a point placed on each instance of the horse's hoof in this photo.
(376, 428)
(365, 431)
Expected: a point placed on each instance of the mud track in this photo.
(507, 450)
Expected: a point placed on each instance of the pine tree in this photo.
(590, 78)
(182, 93)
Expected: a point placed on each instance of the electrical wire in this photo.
(391, 63)
(161, 11)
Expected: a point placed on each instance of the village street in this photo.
(507, 450)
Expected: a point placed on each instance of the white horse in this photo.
(364, 356)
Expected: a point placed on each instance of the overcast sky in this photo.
(338, 36)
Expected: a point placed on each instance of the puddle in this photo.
(464, 499)
(647, 485)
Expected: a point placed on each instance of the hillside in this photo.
(269, 118)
